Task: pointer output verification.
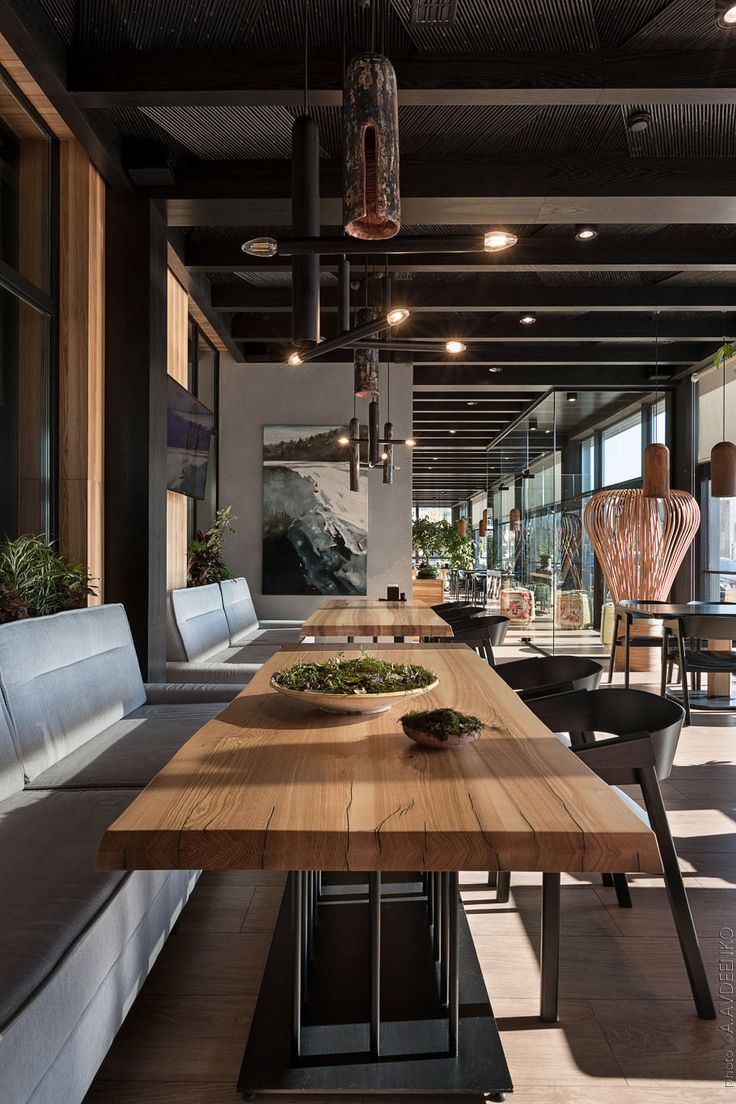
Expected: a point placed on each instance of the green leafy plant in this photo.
(35, 580)
(426, 571)
(724, 352)
(441, 539)
(204, 554)
(442, 723)
(362, 675)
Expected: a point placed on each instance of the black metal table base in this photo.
(337, 1032)
(701, 701)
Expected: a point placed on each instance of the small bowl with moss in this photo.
(442, 728)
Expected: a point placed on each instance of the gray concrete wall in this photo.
(254, 395)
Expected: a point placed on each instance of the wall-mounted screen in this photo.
(189, 429)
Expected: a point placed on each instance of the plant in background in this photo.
(35, 580)
(441, 539)
(204, 554)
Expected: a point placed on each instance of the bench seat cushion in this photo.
(131, 752)
(62, 925)
(268, 638)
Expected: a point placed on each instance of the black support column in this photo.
(135, 421)
(683, 444)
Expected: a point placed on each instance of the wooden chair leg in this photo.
(679, 903)
(503, 886)
(623, 894)
(550, 948)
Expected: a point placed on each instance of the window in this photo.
(622, 448)
(587, 453)
(659, 423)
(26, 407)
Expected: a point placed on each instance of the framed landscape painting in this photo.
(315, 529)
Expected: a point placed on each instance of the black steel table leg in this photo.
(445, 953)
(399, 640)
(296, 994)
(437, 934)
(550, 950)
(627, 652)
(453, 883)
(304, 914)
(374, 894)
(430, 898)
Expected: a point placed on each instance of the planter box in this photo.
(428, 592)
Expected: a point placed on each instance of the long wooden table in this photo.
(351, 617)
(369, 972)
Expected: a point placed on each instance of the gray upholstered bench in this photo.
(79, 732)
(214, 634)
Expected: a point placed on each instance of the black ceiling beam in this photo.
(547, 330)
(475, 297)
(32, 36)
(533, 255)
(470, 192)
(276, 77)
(572, 376)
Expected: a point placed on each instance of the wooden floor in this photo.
(627, 1028)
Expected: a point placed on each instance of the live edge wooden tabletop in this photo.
(271, 784)
(353, 617)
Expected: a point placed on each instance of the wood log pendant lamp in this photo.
(723, 455)
(371, 204)
(366, 362)
(461, 527)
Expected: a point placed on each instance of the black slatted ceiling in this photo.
(167, 25)
(685, 130)
(680, 23)
(582, 130)
(243, 133)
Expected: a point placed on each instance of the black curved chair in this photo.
(482, 633)
(544, 675)
(458, 611)
(646, 730)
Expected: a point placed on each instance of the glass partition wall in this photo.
(541, 474)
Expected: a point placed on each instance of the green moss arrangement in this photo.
(427, 572)
(442, 724)
(362, 675)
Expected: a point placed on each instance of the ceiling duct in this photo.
(433, 11)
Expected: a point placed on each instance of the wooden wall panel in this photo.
(81, 361)
(177, 365)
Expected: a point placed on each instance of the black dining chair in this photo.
(691, 654)
(482, 632)
(453, 609)
(646, 730)
(544, 675)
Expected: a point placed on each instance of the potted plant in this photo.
(441, 728)
(36, 579)
(362, 684)
(205, 564)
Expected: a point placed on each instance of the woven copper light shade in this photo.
(461, 527)
(656, 471)
(366, 362)
(371, 205)
(723, 470)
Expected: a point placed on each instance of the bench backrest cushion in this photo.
(200, 621)
(239, 608)
(11, 772)
(66, 678)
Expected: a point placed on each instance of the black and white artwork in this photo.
(315, 529)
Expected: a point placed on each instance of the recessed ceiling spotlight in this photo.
(453, 431)
(455, 346)
(527, 319)
(261, 247)
(396, 316)
(471, 402)
(548, 431)
(533, 424)
(496, 240)
(725, 13)
(572, 396)
(294, 359)
(494, 370)
(639, 121)
(585, 232)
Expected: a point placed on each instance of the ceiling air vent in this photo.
(433, 11)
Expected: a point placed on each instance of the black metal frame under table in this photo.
(373, 985)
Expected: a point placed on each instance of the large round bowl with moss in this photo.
(362, 684)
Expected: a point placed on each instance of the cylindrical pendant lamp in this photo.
(461, 527)
(373, 434)
(371, 203)
(366, 362)
(723, 470)
(723, 455)
(656, 469)
(514, 520)
(354, 454)
(305, 221)
(388, 453)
